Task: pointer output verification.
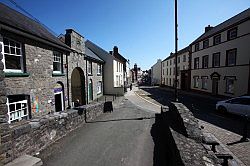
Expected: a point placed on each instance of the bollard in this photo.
(244, 135)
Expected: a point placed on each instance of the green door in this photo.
(90, 90)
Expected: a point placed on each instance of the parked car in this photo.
(239, 105)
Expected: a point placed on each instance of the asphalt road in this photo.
(119, 138)
(203, 108)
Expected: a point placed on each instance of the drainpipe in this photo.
(87, 83)
(67, 74)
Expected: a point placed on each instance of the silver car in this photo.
(239, 105)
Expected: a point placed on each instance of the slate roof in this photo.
(16, 20)
(245, 15)
(178, 53)
(119, 56)
(91, 55)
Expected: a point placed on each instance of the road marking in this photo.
(147, 100)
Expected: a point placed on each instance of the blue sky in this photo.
(142, 29)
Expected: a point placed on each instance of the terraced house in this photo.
(168, 69)
(34, 67)
(221, 59)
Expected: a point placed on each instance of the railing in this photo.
(17, 110)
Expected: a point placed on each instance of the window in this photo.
(13, 57)
(167, 63)
(204, 82)
(216, 59)
(17, 107)
(217, 39)
(89, 67)
(178, 70)
(184, 58)
(197, 47)
(196, 81)
(170, 61)
(57, 63)
(179, 59)
(231, 57)
(162, 64)
(169, 81)
(232, 33)
(162, 71)
(174, 71)
(196, 63)
(169, 71)
(99, 87)
(230, 84)
(206, 43)
(99, 69)
(205, 61)
(117, 81)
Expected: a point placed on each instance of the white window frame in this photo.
(90, 67)
(196, 81)
(204, 80)
(21, 56)
(228, 89)
(99, 87)
(99, 69)
(17, 114)
(57, 57)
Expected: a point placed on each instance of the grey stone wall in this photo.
(40, 83)
(37, 134)
(184, 137)
(5, 135)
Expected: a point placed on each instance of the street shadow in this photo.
(202, 108)
(165, 150)
(124, 119)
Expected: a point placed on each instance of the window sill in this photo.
(58, 74)
(90, 74)
(16, 74)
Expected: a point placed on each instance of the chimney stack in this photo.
(115, 50)
(208, 28)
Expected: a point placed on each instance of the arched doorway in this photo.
(59, 96)
(78, 86)
(90, 90)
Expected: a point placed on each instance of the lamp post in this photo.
(176, 50)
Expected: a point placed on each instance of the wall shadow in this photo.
(165, 149)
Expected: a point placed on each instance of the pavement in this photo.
(122, 137)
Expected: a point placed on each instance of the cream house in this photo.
(156, 73)
(221, 58)
(168, 69)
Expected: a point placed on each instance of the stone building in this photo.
(34, 67)
(168, 69)
(156, 73)
(85, 70)
(113, 70)
(220, 58)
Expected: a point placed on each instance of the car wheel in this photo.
(222, 109)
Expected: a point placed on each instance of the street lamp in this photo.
(176, 50)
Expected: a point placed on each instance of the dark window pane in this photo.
(56, 66)
(6, 49)
(18, 106)
(18, 51)
(12, 62)
(12, 107)
(12, 43)
(12, 50)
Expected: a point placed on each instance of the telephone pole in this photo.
(176, 50)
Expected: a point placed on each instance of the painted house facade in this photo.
(220, 58)
(156, 73)
(34, 67)
(113, 70)
(168, 69)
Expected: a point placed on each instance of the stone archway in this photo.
(78, 86)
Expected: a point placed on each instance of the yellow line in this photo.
(147, 100)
